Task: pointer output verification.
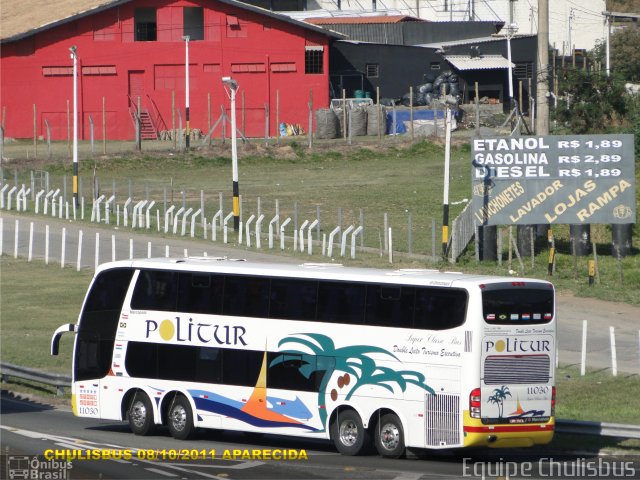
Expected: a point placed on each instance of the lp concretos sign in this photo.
(564, 179)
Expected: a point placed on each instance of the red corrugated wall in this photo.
(263, 54)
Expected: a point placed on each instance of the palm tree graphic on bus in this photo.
(498, 397)
(319, 354)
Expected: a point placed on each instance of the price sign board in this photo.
(563, 179)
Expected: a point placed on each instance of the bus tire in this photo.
(140, 414)
(348, 434)
(389, 436)
(180, 418)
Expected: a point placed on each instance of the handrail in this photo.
(132, 104)
(158, 122)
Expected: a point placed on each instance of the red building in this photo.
(135, 49)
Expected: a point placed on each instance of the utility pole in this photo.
(542, 84)
(607, 16)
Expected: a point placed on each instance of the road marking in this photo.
(161, 472)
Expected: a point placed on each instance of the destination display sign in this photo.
(563, 179)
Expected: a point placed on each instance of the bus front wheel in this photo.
(348, 434)
(389, 436)
(140, 414)
(180, 418)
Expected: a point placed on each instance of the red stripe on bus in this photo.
(515, 428)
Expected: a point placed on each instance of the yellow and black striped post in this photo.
(187, 132)
(445, 202)
(592, 272)
(552, 251)
(233, 86)
(74, 56)
(236, 205)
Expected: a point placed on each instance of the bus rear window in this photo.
(509, 304)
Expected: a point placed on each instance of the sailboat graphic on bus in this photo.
(259, 410)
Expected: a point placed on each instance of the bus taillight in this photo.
(474, 403)
(553, 401)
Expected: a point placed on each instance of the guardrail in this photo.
(598, 429)
(60, 382)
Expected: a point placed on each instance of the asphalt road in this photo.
(32, 434)
(571, 311)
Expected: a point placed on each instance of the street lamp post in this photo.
(511, 30)
(186, 90)
(74, 56)
(233, 86)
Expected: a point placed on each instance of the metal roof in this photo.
(365, 20)
(484, 62)
(473, 41)
(32, 16)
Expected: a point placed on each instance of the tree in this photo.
(624, 53)
(592, 102)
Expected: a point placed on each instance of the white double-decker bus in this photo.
(404, 358)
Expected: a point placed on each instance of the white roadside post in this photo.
(148, 214)
(614, 357)
(302, 227)
(167, 214)
(248, 229)
(356, 232)
(309, 236)
(185, 217)
(343, 245)
(259, 231)
(272, 225)
(193, 222)
(333, 233)
(583, 356)
(282, 227)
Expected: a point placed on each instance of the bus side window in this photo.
(155, 290)
(293, 299)
(438, 309)
(390, 306)
(246, 296)
(341, 302)
(200, 293)
(209, 365)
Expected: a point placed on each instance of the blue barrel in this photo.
(359, 94)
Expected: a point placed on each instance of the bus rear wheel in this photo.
(348, 434)
(180, 418)
(140, 414)
(389, 436)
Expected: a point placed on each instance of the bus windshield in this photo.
(517, 303)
